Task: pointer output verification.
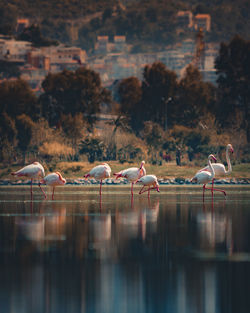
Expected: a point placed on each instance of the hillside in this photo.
(147, 24)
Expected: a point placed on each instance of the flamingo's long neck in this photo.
(229, 170)
(211, 168)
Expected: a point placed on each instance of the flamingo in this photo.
(32, 171)
(54, 179)
(219, 168)
(100, 172)
(204, 176)
(148, 181)
(132, 174)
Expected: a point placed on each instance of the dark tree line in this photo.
(72, 99)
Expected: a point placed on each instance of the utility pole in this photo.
(166, 112)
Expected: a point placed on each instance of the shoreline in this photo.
(110, 181)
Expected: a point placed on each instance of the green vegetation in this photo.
(154, 119)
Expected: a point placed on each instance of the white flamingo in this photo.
(219, 168)
(205, 176)
(132, 174)
(100, 172)
(53, 180)
(32, 171)
(148, 181)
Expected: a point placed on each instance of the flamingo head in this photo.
(230, 147)
(211, 156)
(157, 187)
(142, 164)
(62, 180)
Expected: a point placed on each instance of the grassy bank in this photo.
(166, 170)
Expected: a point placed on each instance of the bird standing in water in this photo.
(205, 176)
(148, 181)
(32, 171)
(219, 168)
(132, 174)
(54, 179)
(100, 172)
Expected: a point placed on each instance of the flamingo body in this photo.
(32, 171)
(204, 176)
(219, 168)
(100, 172)
(149, 181)
(53, 180)
(132, 174)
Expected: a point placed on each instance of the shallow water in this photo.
(169, 253)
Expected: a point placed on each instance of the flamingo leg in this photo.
(100, 191)
(53, 193)
(204, 187)
(140, 192)
(221, 190)
(39, 184)
(132, 187)
(150, 188)
(31, 192)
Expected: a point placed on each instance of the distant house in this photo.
(119, 43)
(202, 21)
(13, 50)
(101, 46)
(184, 19)
(57, 58)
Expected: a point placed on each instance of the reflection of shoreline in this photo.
(121, 182)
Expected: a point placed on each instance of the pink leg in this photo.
(31, 192)
(100, 192)
(39, 184)
(204, 187)
(132, 185)
(53, 193)
(221, 190)
(140, 192)
(150, 188)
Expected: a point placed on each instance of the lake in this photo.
(170, 253)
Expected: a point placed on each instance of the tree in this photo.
(8, 134)
(159, 84)
(8, 16)
(233, 69)
(154, 136)
(70, 92)
(73, 127)
(16, 98)
(33, 34)
(195, 98)
(9, 69)
(24, 125)
(130, 94)
(93, 148)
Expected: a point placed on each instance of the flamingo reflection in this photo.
(214, 229)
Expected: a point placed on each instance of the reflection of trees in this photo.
(72, 257)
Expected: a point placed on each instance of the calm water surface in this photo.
(171, 253)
